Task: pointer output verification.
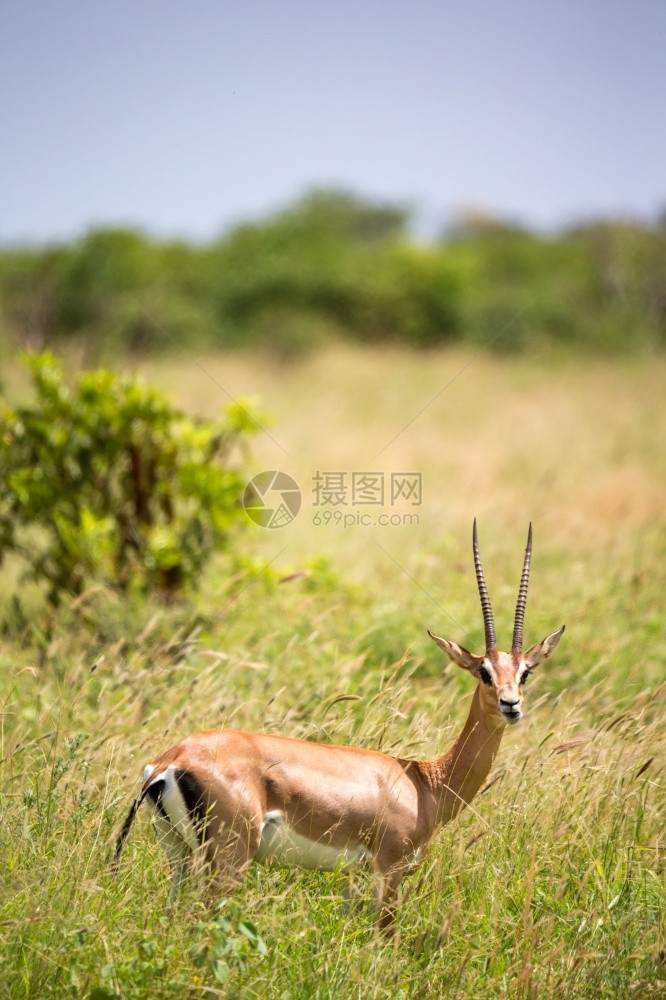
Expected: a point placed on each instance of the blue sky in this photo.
(183, 118)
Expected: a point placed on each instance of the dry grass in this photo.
(575, 443)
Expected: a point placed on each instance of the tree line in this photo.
(333, 265)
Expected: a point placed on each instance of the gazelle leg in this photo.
(355, 890)
(179, 871)
(178, 853)
(229, 859)
(347, 894)
(387, 892)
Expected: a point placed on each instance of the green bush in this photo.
(108, 481)
(223, 946)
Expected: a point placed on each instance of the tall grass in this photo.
(552, 882)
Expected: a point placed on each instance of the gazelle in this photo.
(237, 797)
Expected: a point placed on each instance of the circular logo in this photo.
(272, 499)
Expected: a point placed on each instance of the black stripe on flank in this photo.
(154, 793)
(193, 796)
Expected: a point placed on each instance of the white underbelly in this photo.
(280, 845)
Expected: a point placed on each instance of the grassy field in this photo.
(552, 882)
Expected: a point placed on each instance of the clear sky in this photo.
(183, 118)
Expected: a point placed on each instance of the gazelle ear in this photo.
(457, 653)
(537, 654)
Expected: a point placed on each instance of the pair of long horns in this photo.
(486, 607)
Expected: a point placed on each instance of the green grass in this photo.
(552, 883)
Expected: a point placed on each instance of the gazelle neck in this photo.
(457, 775)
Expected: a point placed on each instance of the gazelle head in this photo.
(502, 676)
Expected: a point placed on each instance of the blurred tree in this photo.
(343, 217)
(628, 270)
(334, 264)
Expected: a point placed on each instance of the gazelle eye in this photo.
(524, 677)
(485, 676)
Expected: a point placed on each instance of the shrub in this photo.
(223, 947)
(109, 481)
